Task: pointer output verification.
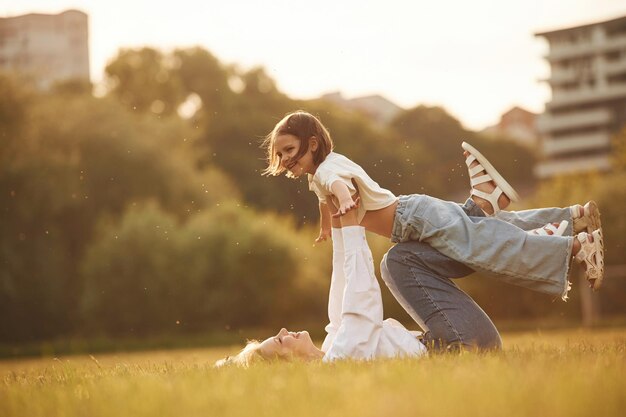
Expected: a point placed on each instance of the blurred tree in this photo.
(143, 80)
(63, 174)
(432, 144)
(432, 140)
(224, 268)
(72, 87)
(199, 72)
(14, 102)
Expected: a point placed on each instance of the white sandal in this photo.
(589, 221)
(550, 227)
(491, 174)
(592, 254)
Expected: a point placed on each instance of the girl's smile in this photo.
(287, 150)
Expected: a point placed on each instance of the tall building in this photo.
(588, 106)
(49, 48)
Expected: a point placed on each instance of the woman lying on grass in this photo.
(437, 240)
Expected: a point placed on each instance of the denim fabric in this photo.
(489, 244)
(419, 277)
(535, 218)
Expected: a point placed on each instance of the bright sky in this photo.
(475, 58)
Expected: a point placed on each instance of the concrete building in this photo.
(516, 124)
(49, 48)
(588, 105)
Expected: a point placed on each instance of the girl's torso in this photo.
(380, 221)
(376, 221)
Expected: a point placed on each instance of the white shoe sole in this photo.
(506, 188)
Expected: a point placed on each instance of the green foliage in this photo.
(130, 272)
(142, 80)
(431, 140)
(71, 160)
(221, 268)
(14, 102)
(199, 72)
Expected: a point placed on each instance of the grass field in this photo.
(557, 373)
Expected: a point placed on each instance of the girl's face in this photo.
(287, 147)
(288, 345)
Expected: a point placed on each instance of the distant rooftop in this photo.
(69, 11)
(616, 21)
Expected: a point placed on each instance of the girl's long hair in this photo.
(303, 126)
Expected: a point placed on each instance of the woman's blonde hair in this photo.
(250, 354)
(303, 126)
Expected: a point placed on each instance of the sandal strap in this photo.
(468, 161)
(479, 180)
(575, 211)
(592, 254)
(502, 187)
(550, 227)
(589, 220)
(475, 170)
(492, 197)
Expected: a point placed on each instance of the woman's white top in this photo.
(337, 167)
(355, 308)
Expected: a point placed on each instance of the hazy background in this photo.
(477, 59)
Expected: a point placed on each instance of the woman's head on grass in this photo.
(285, 346)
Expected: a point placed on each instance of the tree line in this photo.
(122, 214)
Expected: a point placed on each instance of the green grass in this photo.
(557, 373)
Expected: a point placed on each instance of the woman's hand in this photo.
(347, 205)
(323, 236)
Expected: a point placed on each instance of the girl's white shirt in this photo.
(337, 167)
(355, 308)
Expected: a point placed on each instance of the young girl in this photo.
(520, 248)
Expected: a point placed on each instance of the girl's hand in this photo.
(346, 206)
(324, 235)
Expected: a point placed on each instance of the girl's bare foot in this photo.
(576, 247)
(487, 187)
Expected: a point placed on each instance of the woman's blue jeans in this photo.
(440, 241)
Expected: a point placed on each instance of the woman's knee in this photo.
(410, 251)
(396, 262)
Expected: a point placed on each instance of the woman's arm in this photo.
(362, 308)
(337, 287)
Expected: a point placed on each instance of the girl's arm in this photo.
(346, 203)
(324, 223)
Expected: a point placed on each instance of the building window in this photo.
(617, 79)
